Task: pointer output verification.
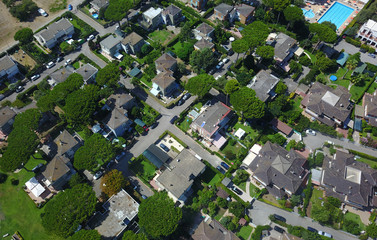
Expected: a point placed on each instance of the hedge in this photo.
(257, 234)
(364, 155)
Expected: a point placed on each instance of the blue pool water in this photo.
(95, 15)
(337, 14)
(308, 13)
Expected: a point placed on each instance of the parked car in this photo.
(154, 125)
(312, 229)
(91, 37)
(325, 234)
(120, 156)
(35, 77)
(226, 48)
(225, 60)
(19, 89)
(372, 55)
(42, 12)
(212, 71)
(109, 164)
(145, 127)
(70, 7)
(68, 61)
(279, 229)
(186, 96)
(181, 102)
(310, 132)
(224, 165)
(97, 175)
(280, 218)
(219, 65)
(37, 168)
(173, 119)
(50, 64)
(220, 169)
(164, 147)
(59, 59)
(236, 190)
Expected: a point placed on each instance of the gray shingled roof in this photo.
(52, 29)
(171, 10)
(132, 39)
(116, 118)
(100, 3)
(166, 61)
(5, 63)
(87, 71)
(203, 43)
(111, 41)
(213, 231)
(283, 44)
(119, 99)
(65, 142)
(61, 75)
(263, 83)
(164, 79)
(56, 168)
(370, 104)
(224, 8)
(205, 28)
(244, 9)
(6, 114)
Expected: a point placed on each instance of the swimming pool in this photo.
(95, 15)
(308, 13)
(337, 14)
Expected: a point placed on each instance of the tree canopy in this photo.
(293, 14)
(25, 35)
(68, 209)
(324, 32)
(86, 235)
(202, 60)
(200, 85)
(24, 10)
(231, 86)
(130, 235)
(246, 103)
(255, 34)
(266, 52)
(240, 46)
(96, 150)
(158, 216)
(112, 182)
(109, 75)
(118, 9)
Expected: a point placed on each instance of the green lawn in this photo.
(371, 163)
(76, 65)
(146, 82)
(243, 186)
(249, 130)
(198, 106)
(344, 83)
(185, 125)
(234, 149)
(356, 218)
(372, 88)
(317, 194)
(210, 177)
(220, 214)
(245, 232)
(143, 167)
(297, 103)
(358, 91)
(17, 210)
(254, 191)
(161, 36)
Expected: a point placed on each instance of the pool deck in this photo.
(320, 9)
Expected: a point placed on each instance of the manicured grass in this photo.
(372, 88)
(17, 211)
(58, 5)
(76, 65)
(234, 149)
(101, 56)
(249, 130)
(220, 214)
(185, 125)
(243, 186)
(356, 218)
(344, 83)
(161, 36)
(297, 103)
(198, 106)
(146, 82)
(371, 163)
(210, 177)
(143, 167)
(358, 91)
(254, 191)
(245, 232)
(316, 196)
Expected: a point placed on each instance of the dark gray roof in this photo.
(166, 61)
(5, 63)
(65, 141)
(164, 79)
(350, 180)
(87, 71)
(61, 74)
(324, 100)
(56, 168)
(213, 230)
(54, 28)
(6, 114)
(156, 156)
(100, 3)
(183, 170)
(172, 10)
(132, 39)
(203, 43)
(223, 8)
(275, 165)
(263, 83)
(111, 41)
(205, 28)
(369, 106)
(116, 118)
(119, 99)
(282, 45)
(244, 9)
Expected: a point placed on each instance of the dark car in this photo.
(111, 163)
(180, 102)
(280, 218)
(154, 125)
(173, 119)
(19, 89)
(220, 169)
(279, 229)
(164, 147)
(312, 229)
(37, 168)
(236, 190)
(186, 96)
(224, 165)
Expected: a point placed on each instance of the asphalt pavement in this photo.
(351, 49)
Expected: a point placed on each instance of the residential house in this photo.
(203, 43)
(151, 18)
(119, 213)
(156, 156)
(172, 15)
(60, 75)
(329, 106)
(98, 4)
(278, 125)
(342, 59)
(7, 116)
(120, 100)
(179, 177)
(368, 33)
(8, 68)
(213, 117)
(198, 4)
(204, 31)
(224, 12)
(118, 122)
(58, 172)
(88, 72)
(51, 36)
(279, 171)
(132, 43)
(244, 13)
(240, 12)
(264, 84)
(164, 84)
(212, 229)
(353, 182)
(111, 45)
(370, 108)
(285, 46)
(166, 62)
(66, 144)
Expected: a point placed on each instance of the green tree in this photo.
(244, 78)
(145, 49)
(63, 214)
(281, 88)
(185, 50)
(112, 182)
(200, 85)
(326, 64)
(241, 176)
(29, 119)
(117, 10)
(293, 14)
(357, 79)
(295, 199)
(237, 209)
(130, 235)
(330, 25)
(371, 230)
(266, 52)
(231, 86)
(76, 179)
(352, 62)
(109, 75)
(96, 150)
(324, 32)
(86, 235)
(246, 103)
(202, 60)
(24, 10)
(66, 47)
(255, 34)
(280, 6)
(240, 46)
(186, 32)
(320, 214)
(222, 202)
(158, 216)
(25, 35)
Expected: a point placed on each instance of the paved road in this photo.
(351, 49)
(260, 212)
(317, 141)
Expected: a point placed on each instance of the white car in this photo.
(42, 12)
(91, 37)
(97, 175)
(220, 65)
(50, 64)
(68, 62)
(325, 234)
(35, 77)
(310, 132)
(225, 60)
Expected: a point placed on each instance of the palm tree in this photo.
(351, 64)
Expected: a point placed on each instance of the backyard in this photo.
(356, 218)
(161, 36)
(210, 177)
(245, 232)
(372, 88)
(185, 124)
(252, 133)
(358, 91)
(254, 191)
(143, 167)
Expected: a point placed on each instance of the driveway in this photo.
(260, 211)
(351, 49)
(232, 59)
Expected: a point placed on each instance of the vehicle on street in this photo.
(118, 157)
(91, 37)
(310, 132)
(219, 65)
(70, 7)
(226, 48)
(50, 64)
(154, 125)
(236, 190)
(68, 61)
(225, 60)
(173, 119)
(279, 229)
(145, 127)
(35, 77)
(180, 102)
(212, 71)
(220, 169)
(224, 165)
(42, 12)
(330, 142)
(97, 175)
(325, 234)
(59, 59)
(372, 55)
(109, 164)
(186, 96)
(280, 218)
(164, 147)
(37, 168)
(312, 229)
(19, 89)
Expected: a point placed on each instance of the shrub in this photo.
(304, 60)
(3, 177)
(14, 181)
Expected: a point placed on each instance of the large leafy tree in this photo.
(247, 104)
(231, 86)
(86, 235)
(24, 10)
(371, 230)
(130, 235)
(96, 150)
(255, 34)
(68, 209)
(266, 52)
(117, 10)
(113, 182)
(202, 60)
(324, 32)
(200, 85)
(240, 46)
(25, 35)
(293, 14)
(186, 33)
(108, 75)
(158, 216)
